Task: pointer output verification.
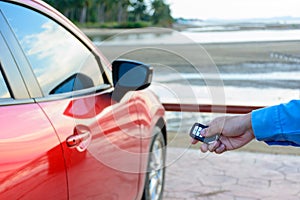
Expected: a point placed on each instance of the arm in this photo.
(275, 125)
(278, 124)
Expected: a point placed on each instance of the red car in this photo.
(72, 125)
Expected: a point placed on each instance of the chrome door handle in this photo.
(79, 140)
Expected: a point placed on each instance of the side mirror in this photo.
(130, 75)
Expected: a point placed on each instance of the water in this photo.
(243, 36)
(195, 36)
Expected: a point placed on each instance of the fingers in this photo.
(204, 148)
(216, 146)
(220, 149)
(193, 141)
(214, 127)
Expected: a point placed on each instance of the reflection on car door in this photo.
(104, 162)
(31, 157)
(100, 138)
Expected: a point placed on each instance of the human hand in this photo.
(236, 131)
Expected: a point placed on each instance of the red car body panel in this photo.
(111, 166)
(112, 156)
(38, 159)
(151, 113)
(31, 160)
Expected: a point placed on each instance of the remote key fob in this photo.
(196, 134)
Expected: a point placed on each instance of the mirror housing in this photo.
(129, 75)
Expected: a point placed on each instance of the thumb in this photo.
(214, 127)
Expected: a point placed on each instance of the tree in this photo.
(139, 9)
(102, 11)
(122, 9)
(101, 6)
(161, 13)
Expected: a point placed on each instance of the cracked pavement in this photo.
(192, 175)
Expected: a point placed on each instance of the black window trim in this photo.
(11, 101)
(20, 59)
(6, 81)
(97, 90)
(10, 71)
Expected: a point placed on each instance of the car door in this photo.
(100, 137)
(31, 156)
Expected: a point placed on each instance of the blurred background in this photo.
(213, 52)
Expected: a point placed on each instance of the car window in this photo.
(57, 57)
(4, 92)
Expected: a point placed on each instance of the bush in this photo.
(140, 24)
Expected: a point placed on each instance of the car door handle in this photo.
(81, 140)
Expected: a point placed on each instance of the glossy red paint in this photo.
(113, 156)
(151, 113)
(34, 162)
(87, 147)
(31, 155)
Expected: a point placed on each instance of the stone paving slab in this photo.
(192, 175)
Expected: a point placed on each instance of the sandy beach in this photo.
(221, 54)
(238, 58)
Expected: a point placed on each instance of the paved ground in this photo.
(233, 175)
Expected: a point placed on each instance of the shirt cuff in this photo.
(266, 123)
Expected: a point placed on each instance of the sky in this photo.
(234, 9)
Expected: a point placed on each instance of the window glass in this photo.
(4, 93)
(57, 58)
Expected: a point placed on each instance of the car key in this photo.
(196, 134)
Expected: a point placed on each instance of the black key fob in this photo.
(196, 134)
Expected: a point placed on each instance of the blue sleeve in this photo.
(278, 125)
